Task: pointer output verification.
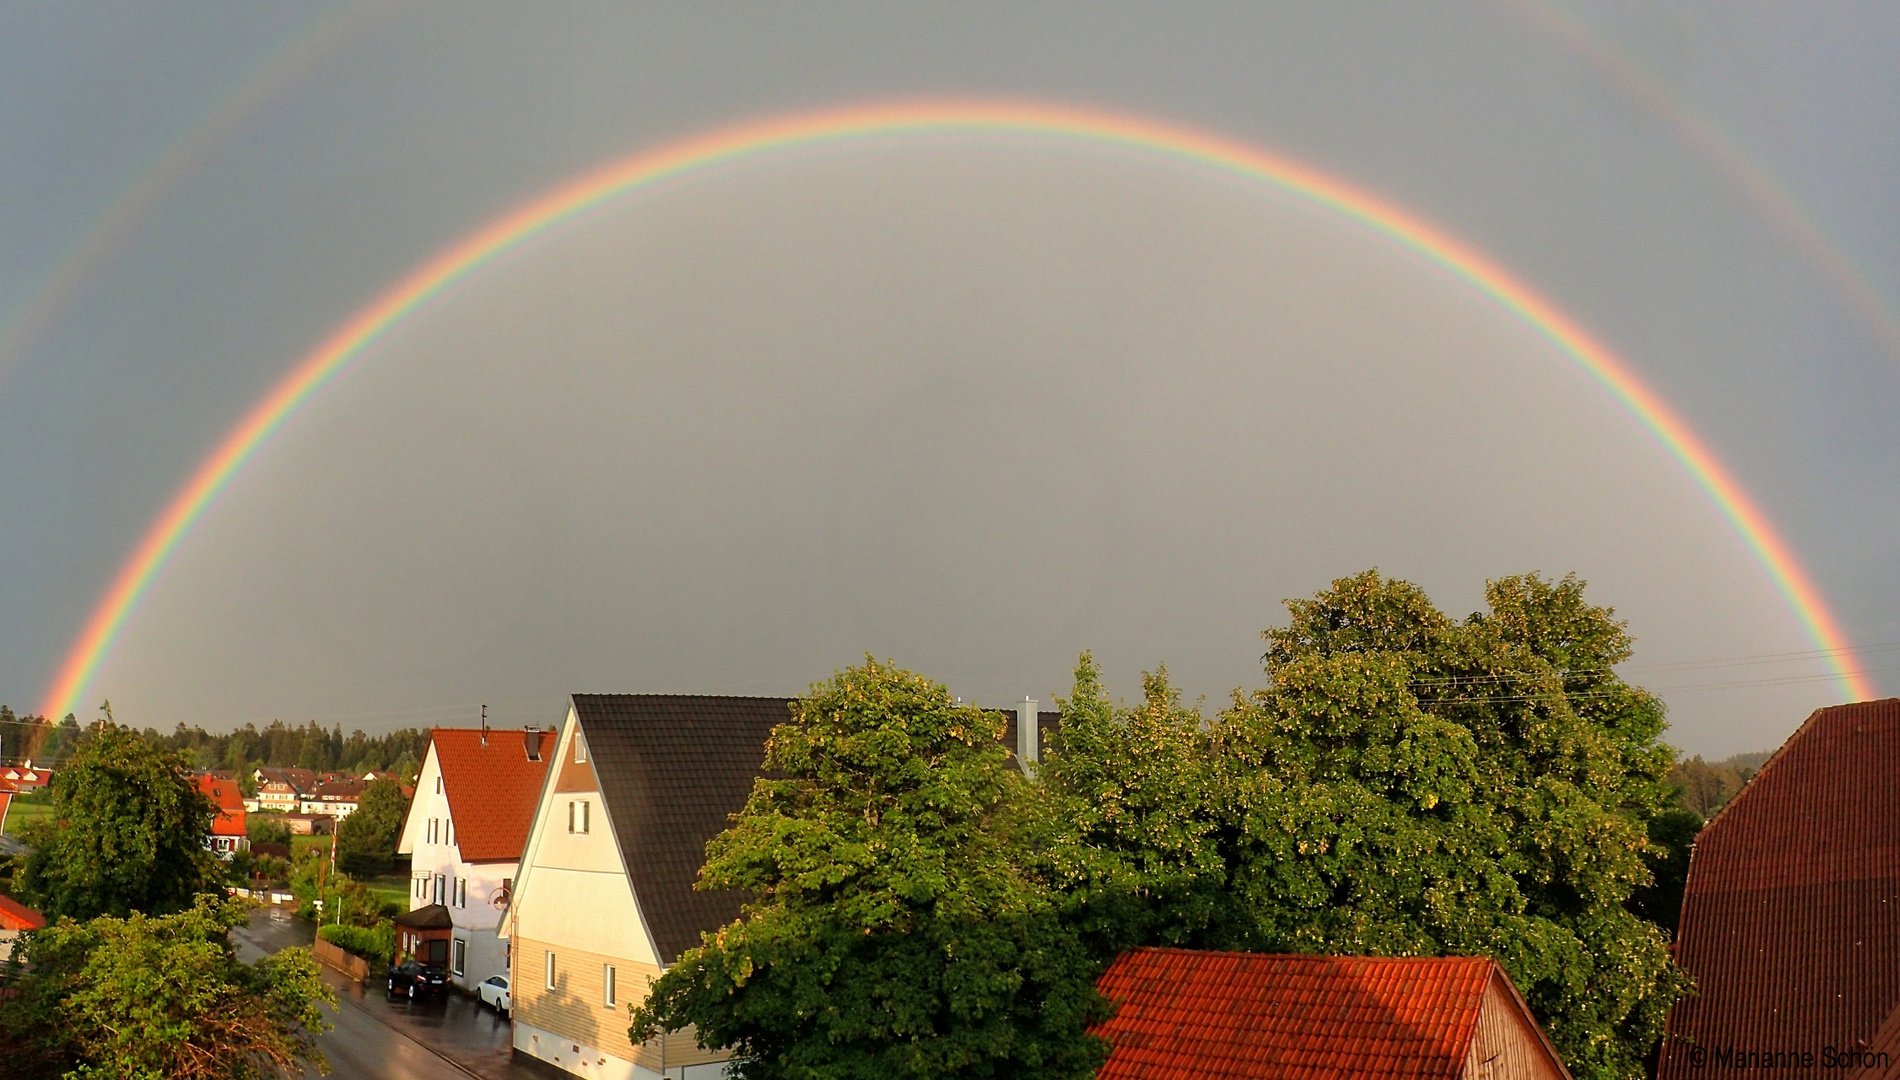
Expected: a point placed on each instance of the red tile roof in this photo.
(1791, 916)
(230, 803)
(17, 916)
(491, 789)
(1185, 1014)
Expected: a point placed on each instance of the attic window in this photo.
(580, 748)
(577, 816)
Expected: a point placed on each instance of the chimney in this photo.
(533, 737)
(1028, 735)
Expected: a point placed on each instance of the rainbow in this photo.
(883, 123)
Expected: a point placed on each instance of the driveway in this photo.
(377, 1039)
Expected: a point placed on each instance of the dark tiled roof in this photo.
(1186, 1015)
(432, 917)
(491, 788)
(672, 770)
(1791, 917)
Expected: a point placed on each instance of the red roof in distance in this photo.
(491, 789)
(17, 916)
(1791, 916)
(1185, 1014)
(230, 803)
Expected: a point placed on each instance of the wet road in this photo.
(377, 1039)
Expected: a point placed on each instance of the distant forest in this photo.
(1703, 785)
(278, 745)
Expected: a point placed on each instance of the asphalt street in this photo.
(377, 1039)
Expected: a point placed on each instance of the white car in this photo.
(495, 992)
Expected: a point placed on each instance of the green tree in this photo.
(366, 840)
(1131, 829)
(127, 833)
(146, 997)
(315, 754)
(1413, 784)
(892, 931)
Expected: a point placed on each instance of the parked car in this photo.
(495, 992)
(417, 980)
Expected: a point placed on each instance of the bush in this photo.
(266, 828)
(377, 944)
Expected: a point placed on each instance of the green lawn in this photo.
(391, 888)
(301, 844)
(22, 812)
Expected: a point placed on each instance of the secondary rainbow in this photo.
(913, 120)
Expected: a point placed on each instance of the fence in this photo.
(354, 966)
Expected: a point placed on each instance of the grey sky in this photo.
(973, 408)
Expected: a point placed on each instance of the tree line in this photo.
(242, 751)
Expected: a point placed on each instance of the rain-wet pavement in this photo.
(376, 1038)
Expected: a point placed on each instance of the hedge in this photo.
(375, 944)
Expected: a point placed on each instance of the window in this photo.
(432, 830)
(577, 816)
(441, 889)
(448, 830)
(580, 748)
(461, 892)
(550, 969)
(438, 785)
(458, 957)
(607, 985)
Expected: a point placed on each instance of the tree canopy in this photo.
(164, 996)
(127, 833)
(366, 840)
(1406, 783)
(893, 931)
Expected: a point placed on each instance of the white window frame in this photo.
(458, 956)
(580, 747)
(607, 986)
(578, 821)
(550, 971)
(461, 892)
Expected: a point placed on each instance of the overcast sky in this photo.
(975, 406)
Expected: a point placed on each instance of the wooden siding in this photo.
(573, 1009)
(1506, 1044)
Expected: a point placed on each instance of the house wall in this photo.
(1506, 1044)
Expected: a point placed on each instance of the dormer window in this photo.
(580, 748)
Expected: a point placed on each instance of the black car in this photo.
(417, 980)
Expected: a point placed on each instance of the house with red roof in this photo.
(27, 777)
(1184, 1014)
(1791, 915)
(475, 798)
(229, 834)
(281, 790)
(15, 918)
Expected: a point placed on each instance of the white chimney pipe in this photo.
(1028, 735)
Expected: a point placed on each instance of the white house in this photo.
(475, 797)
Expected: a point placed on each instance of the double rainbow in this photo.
(910, 120)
